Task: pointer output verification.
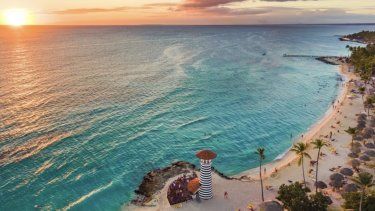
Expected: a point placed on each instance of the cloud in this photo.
(89, 10)
(224, 11)
(285, 0)
(206, 3)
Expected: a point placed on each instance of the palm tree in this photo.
(352, 131)
(300, 149)
(362, 90)
(318, 144)
(260, 153)
(364, 181)
(368, 104)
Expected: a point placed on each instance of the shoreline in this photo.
(288, 156)
(245, 186)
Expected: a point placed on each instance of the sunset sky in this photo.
(132, 12)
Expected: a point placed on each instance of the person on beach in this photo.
(226, 195)
(265, 170)
(330, 134)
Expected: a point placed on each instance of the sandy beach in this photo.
(241, 193)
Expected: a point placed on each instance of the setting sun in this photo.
(16, 17)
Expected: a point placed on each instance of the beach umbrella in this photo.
(362, 117)
(336, 183)
(367, 132)
(270, 206)
(353, 155)
(370, 153)
(336, 176)
(357, 144)
(358, 138)
(364, 158)
(355, 150)
(354, 163)
(350, 188)
(372, 122)
(321, 185)
(193, 185)
(370, 145)
(361, 125)
(346, 171)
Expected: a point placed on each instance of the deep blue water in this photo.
(85, 112)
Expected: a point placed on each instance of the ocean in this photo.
(86, 112)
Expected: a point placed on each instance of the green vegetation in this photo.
(260, 153)
(364, 181)
(363, 59)
(352, 201)
(363, 36)
(301, 150)
(318, 144)
(294, 198)
(352, 131)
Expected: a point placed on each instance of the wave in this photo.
(88, 195)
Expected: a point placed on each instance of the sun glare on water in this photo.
(16, 17)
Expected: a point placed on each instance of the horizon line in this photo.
(266, 24)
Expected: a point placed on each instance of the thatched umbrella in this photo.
(370, 153)
(372, 122)
(270, 206)
(361, 125)
(364, 158)
(355, 150)
(353, 155)
(321, 185)
(362, 117)
(350, 188)
(346, 171)
(354, 163)
(336, 183)
(367, 132)
(370, 145)
(358, 138)
(336, 176)
(357, 144)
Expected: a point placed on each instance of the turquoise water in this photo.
(87, 111)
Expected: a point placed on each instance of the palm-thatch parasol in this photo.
(361, 125)
(354, 163)
(346, 171)
(364, 158)
(367, 132)
(336, 176)
(357, 144)
(321, 185)
(358, 138)
(353, 155)
(370, 153)
(350, 188)
(372, 122)
(270, 206)
(370, 145)
(355, 150)
(336, 183)
(193, 185)
(362, 117)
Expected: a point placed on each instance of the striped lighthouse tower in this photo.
(206, 157)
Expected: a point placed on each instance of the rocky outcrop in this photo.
(155, 180)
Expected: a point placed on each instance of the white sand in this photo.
(241, 193)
